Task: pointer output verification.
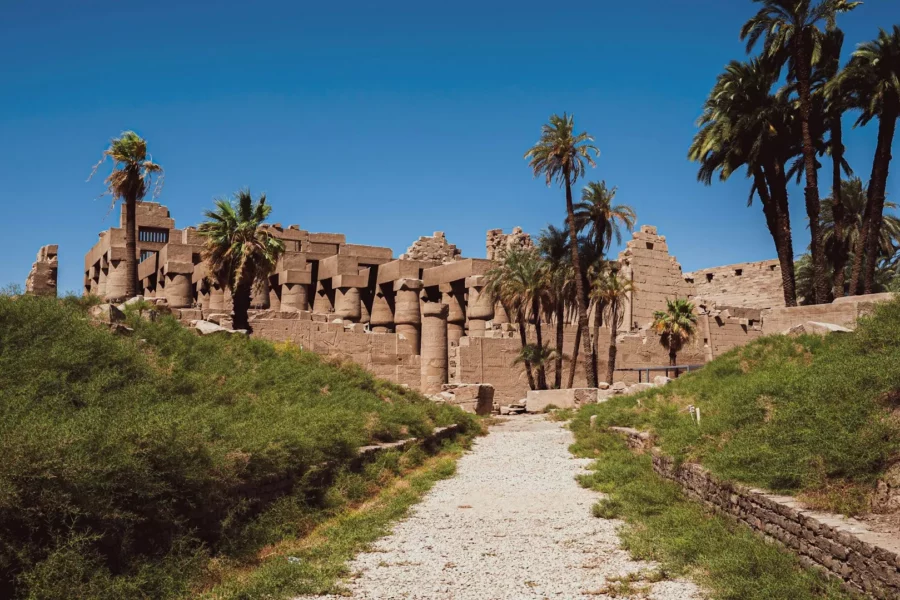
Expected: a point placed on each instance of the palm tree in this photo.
(519, 283)
(790, 32)
(744, 125)
(553, 245)
(675, 326)
(130, 180)
(872, 79)
(239, 251)
(561, 155)
(603, 219)
(612, 291)
(834, 101)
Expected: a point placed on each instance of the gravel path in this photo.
(512, 524)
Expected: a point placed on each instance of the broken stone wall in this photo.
(843, 311)
(499, 243)
(433, 249)
(753, 285)
(42, 278)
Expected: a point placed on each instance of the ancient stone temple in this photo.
(42, 278)
(425, 319)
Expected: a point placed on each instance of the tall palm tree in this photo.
(872, 79)
(603, 219)
(612, 290)
(130, 180)
(675, 326)
(744, 125)
(835, 104)
(561, 155)
(519, 283)
(790, 32)
(239, 251)
(553, 244)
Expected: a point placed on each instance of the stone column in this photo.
(227, 302)
(454, 296)
(216, 299)
(347, 304)
(500, 315)
(179, 292)
(294, 297)
(259, 295)
(203, 295)
(115, 281)
(274, 294)
(481, 306)
(434, 347)
(382, 318)
(407, 316)
(322, 301)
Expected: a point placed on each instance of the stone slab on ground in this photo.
(538, 400)
(512, 524)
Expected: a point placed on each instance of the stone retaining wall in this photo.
(844, 548)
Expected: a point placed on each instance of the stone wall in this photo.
(42, 278)
(843, 548)
(843, 311)
(655, 273)
(752, 285)
(433, 249)
(499, 243)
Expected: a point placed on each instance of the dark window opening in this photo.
(709, 277)
(159, 236)
(738, 272)
(773, 267)
(649, 245)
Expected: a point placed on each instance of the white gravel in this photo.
(512, 524)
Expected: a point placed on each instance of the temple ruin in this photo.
(42, 278)
(424, 319)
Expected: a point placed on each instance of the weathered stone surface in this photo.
(538, 400)
(754, 285)
(886, 498)
(476, 398)
(499, 243)
(816, 328)
(42, 278)
(208, 328)
(107, 313)
(434, 249)
(661, 380)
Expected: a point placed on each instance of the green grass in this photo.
(315, 564)
(810, 416)
(129, 463)
(727, 559)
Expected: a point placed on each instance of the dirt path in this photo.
(512, 524)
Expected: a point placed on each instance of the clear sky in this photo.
(381, 120)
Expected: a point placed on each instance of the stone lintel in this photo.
(455, 271)
(407, 284)
(338, 264)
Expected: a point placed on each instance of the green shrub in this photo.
(788, 414)
(122, 455)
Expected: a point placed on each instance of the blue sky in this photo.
(384, 121)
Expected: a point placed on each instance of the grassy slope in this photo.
(809, 415)
(727, 559)
(121, 457)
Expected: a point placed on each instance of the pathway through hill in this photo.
(512, 524)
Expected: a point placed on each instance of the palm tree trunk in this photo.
(613, 350)
(241, 301)
(560, 340)
(131, 261)
(571, 382)
(839, 257)
(539, 338)
(580, 287)
(673, 360)
(773, 197)
(887, 125)
(811, 192)
(523, 335)
(595, 328)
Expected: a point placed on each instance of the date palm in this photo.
(790, 30)
(744, 125)
(553, 244)
(130, 180)
(239, 251)
(602, 218)
(675, 326)
(562, 155)
(613, 291)
(872, 80)
(519, 283)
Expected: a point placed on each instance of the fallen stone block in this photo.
(207, 328)
(107, 313)
(661, 380)
(476, 398)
